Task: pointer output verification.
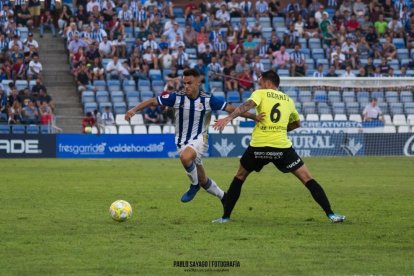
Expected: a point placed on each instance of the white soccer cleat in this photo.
(221, 220)
(335, 218)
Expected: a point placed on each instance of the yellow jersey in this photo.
(279, 111)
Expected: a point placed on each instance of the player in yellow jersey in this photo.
(270, 144)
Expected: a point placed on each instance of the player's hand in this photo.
(130, 113)
(259, 117)
(221, 123)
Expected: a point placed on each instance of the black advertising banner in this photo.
(27, 146)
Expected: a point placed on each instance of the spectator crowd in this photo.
(23, 96)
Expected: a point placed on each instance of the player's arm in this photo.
(293, 125)
(243, 108)
(294, 119)
(230, 109)
(150, 102)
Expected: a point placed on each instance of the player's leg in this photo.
(187, 157)
(234, 190)
(317, 192)
(207, 183)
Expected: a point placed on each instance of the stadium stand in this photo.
(145, 70)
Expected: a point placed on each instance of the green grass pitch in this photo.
(55, 220)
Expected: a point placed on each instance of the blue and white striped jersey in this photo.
(192, 117)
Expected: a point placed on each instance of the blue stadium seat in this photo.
(114, 85)
(120, 108)
(158, 86)
(117, 96)
(306, 52)
(45, 129)
(384, 107)
(144, 85)
(21, 84)
(99, 84)
(102, 96)
(352, 108)
(324, 62)
(219, 95)
(233, 97)
(191, 52)
(129, 85)
(132, 94)
(32, 129)
(406, 96)
(314, 43)
(318, 54)
(145, 95)
(379, 95)
(178, 12)
(18, 129)
(102, 106)
(392, 96)
(403, 53)
(362, 97)
(305, 96)
(399, 43)
(283, 72)
(303, 43)
(4, 129)
(88, 97)
(265, 22)
(320, 96)
(310, 62)
(334, 96)
(348, 96)
(291, 92)
(90, 107)
(218, 85)
(395, 64)
(278, 22)
(409, 108)
(396, 108)
(309, 108)
(323, 108)
(338, 108)
(155, 74)
(298, 106)
(246, 95)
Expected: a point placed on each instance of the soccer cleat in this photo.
(190, 194)
(336, 217)
(221, 220)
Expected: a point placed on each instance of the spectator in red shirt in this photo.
(352, 25)
(88, 121)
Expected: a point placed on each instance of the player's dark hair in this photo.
(191, 72)
(271, 76)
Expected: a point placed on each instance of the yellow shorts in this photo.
(34, 11)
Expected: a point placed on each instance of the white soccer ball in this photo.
(120, 210)
(88, 130)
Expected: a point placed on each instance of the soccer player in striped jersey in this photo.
(270, 144)
(193, 109)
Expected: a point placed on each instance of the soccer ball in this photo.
(120, 210)
(88, 129)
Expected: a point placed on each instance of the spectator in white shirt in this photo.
(223, 15)
(319, 72)
(348, 73)
(151, 43)
(114, 68)
(372, 112)
(108, 117)
(119, 46)
(35, 68)
(106, 50)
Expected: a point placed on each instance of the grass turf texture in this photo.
(55, 220)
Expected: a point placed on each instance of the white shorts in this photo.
(200, 146)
